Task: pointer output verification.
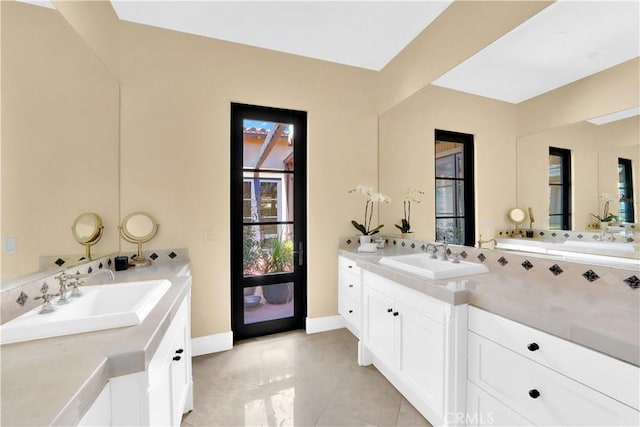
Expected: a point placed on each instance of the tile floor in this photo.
(295, 379)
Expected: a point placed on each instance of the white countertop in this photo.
(54, 381)
(605, 319)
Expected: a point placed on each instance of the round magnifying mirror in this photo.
(516, 216)
(138, 228)
(87, 230)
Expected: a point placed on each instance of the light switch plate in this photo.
(9, 245)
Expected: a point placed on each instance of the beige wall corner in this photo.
(611, 90)
(463, 29)
(97, 23)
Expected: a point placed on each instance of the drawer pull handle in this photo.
(351, 286)
(389, 310)
(534, 393)
(176, 358)
(395, 313)
(179, 351)
(350, 266)
(350, 311)
(533, 346)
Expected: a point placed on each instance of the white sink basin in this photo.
(422, 265)
(101, 307)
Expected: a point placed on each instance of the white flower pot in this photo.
(365, 239)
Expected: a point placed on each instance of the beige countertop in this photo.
(605, 318)
(54, 381)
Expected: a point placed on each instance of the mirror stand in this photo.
(87, 245)
(138, 228)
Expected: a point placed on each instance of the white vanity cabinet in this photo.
(159, 395)
(522, 376)
(350, 294)
(412, 339)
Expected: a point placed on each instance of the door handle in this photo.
(300, 253)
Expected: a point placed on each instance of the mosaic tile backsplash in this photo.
(21, 299)
(522, 265)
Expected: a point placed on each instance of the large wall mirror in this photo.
(60, 126)
(595, 153)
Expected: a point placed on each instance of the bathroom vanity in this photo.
(136, 375)
(524, 344)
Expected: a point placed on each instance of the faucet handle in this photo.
(455, 257)
(434, 251)
(47, 307)
(75, 292)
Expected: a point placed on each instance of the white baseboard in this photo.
(211, 343)
(327, 323)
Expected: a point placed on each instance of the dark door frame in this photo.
(469, 180)
(239, 112)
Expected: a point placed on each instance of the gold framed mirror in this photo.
(138, 228)
(516, 216)
(87, 230)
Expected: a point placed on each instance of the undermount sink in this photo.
(422, 265)
(101, 307)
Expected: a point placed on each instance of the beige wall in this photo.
(407, 155)
(176, 95)
(60, 113)
(614, 89)
(98, 25)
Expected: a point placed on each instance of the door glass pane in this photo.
(267, 145)
(555, 200)
(268, 197)
(555, 169)
(267, 249)
(445, 197)
(459, 198)
(555, 222)
(268, 302)
(449, 159)
(450, 229)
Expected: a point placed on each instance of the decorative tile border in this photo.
(21, 299)
(524, 266)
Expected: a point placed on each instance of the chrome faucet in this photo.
(433, 249)
(480, 242)
(72, 280)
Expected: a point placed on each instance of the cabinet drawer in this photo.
(485, 410)
(539, 394)
(612, 377)
(348, 265)
(350, 284)
(428, 306)
(350, 310)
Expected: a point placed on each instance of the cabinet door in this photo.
(420, 355)
(483, 410)
(380, 325)
(180, 372)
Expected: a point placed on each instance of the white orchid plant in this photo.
(372, 198)
(606, 215)
(411, 195)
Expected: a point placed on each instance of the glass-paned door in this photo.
(625, 190)
(559, 189)
(454, 188)
(268, 211)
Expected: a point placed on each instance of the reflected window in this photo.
(625, 190)
(559, 189)
(454, 187)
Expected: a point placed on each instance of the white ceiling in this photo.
(366, 34)
(565, 42)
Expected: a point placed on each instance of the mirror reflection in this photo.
(60, 110)
(599, 162)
